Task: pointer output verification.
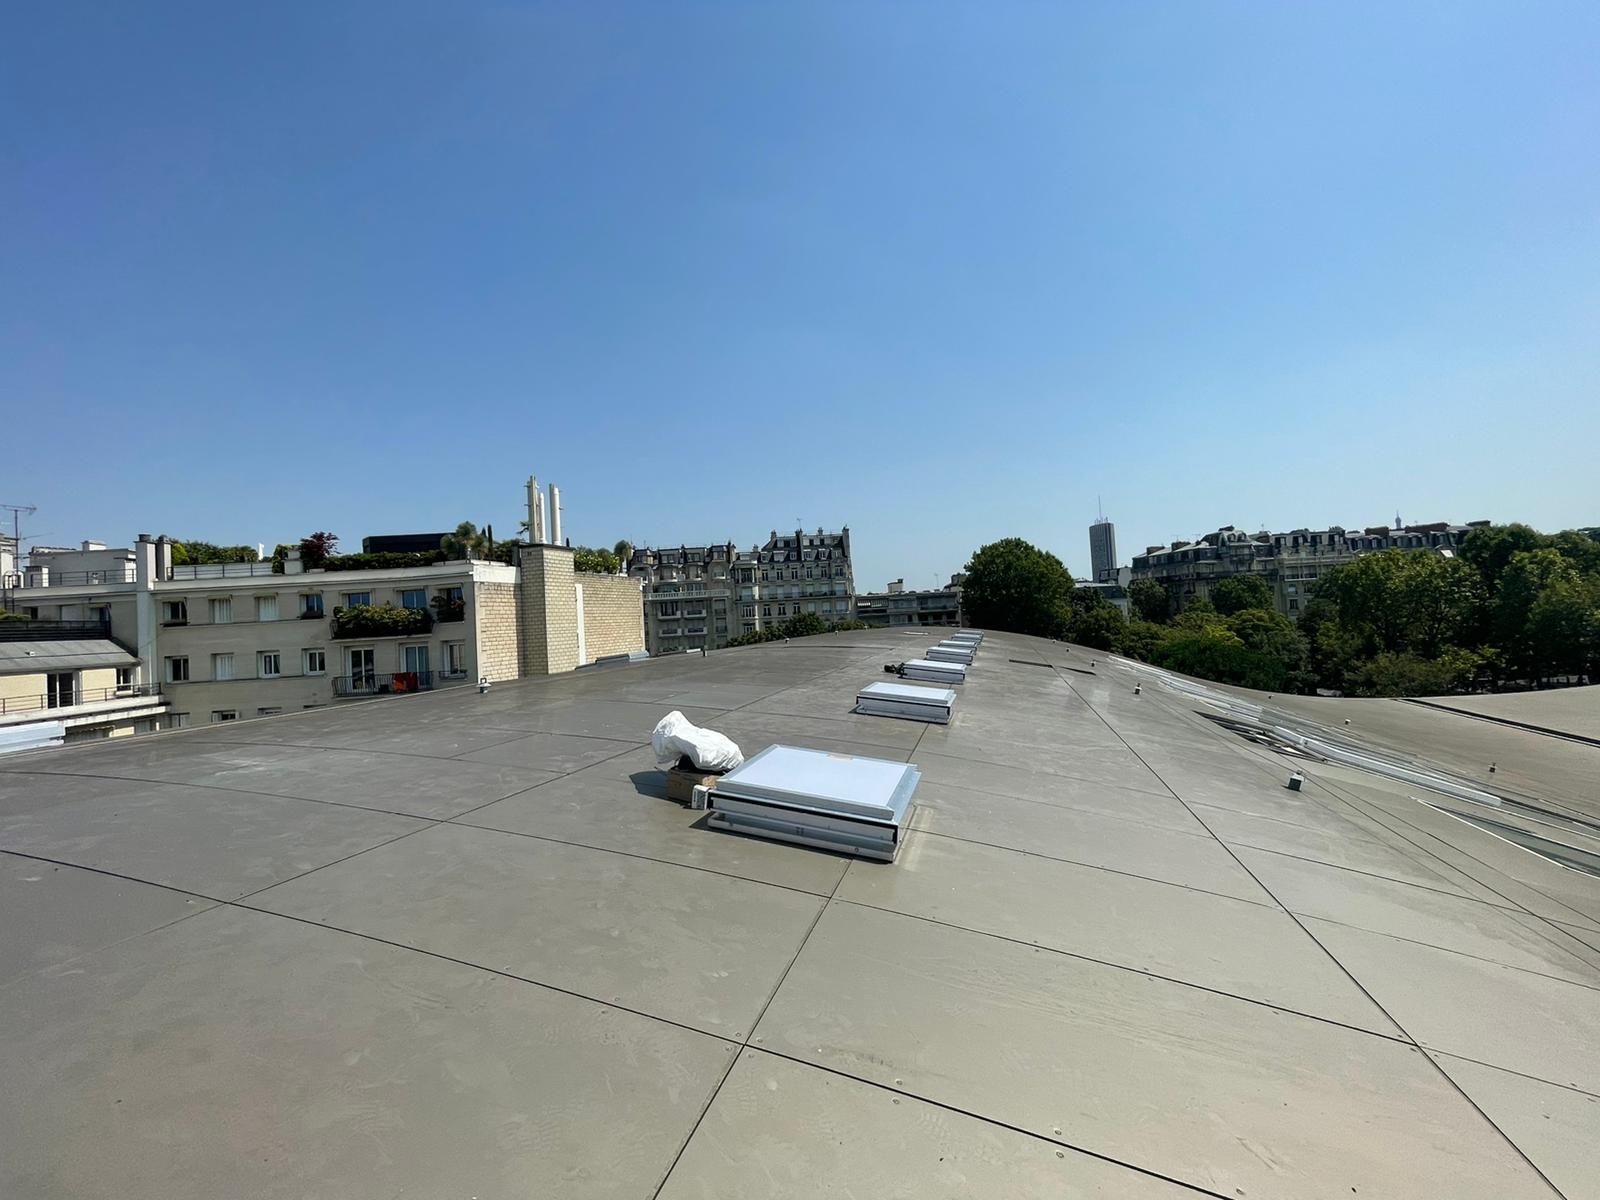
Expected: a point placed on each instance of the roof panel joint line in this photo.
(1456, 1087)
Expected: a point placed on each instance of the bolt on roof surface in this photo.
(452, 945)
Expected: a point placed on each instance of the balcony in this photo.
(373, 684)
(367, 621)
(66, 703)
(449, 608)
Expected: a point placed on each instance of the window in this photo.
(219, 715)
(266, 608)
(174, 612)
(311, 604)
(794, 572)
(414, 598)
(414, 659)
(314, 662)
(455, 659)
(268, 712)
(124, 678)
(1293, 604)
(100, 613)
(363, 672)
(269, 664)
(766, 610)
(669, 609)
(178, 669)
(783, 610)
(747, 610)
(351, 599)
(177, 720)
(221, 610)
(222, 666)
(58, 689)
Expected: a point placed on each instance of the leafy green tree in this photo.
(1141, 639)
(1100, 626)
(803, 625)
(468, 541)
(1239, 592)
(1557, 636)
(1581, 548)
(1266, 631)
(191, 553)
(1149, 600)
(1013, 585)
(623, 550)
(1490, 548)
(601, 562)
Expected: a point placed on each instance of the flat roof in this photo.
(62, 654)
(461, 945)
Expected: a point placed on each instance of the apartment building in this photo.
(793, 574)
(1290, 563)
(688, 596)
(64, 681)
(895, 606)
(231, 641)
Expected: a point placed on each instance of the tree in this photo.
(601, 562)
(190, 553)
(467, 542)
(1490, 548)
(1141, 639)
(1266, 631)
(1239, 592)
(316, 548)
(623, 550)
(1100, 627)
(1149, 600)
(1013, 585)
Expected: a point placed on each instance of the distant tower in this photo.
(1102, 549)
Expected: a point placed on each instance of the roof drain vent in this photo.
(908, 701)
(841, 802)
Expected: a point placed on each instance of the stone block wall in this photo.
(499, 631)
(548, 610)
(613, 615)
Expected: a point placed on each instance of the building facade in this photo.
(688, 596)
(699, 597)
(1290, 563)
(793, 574)
(1102, 550)
(231, 641)
(896, 607)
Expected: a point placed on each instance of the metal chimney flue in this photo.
(555, 514)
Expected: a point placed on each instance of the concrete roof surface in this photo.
(1572, 711)
(452, 945)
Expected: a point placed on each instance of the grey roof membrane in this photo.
(452, 945)
(27, 658)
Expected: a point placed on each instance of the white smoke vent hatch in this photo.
(907, 701)
(952, 652)
(841, 802)
(934, 672)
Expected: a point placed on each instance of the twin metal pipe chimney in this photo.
(536, 531)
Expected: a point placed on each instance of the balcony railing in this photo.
(373, 684)
(231, 570)
(78, 696)
(45, 577)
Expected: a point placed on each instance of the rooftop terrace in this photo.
(452, 945)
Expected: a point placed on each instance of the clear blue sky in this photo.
(943, 273)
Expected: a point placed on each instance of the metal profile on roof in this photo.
(934, 672)
(953, 652)
(813, 798)
(908, 701)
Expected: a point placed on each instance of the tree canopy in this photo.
(1013, 585)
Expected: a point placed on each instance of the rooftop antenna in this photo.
(16, 511)
(1100, 509)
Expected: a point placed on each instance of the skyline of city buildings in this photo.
(1290, 563)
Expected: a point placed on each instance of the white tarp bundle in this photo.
(676, 737)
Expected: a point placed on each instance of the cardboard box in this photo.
(681, 784)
